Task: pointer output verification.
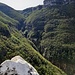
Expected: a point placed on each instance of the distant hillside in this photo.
(11, 12)
(13, 43)
(28, 11)
(52, 29)
(6, 19)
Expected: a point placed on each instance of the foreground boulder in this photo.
(17, 66)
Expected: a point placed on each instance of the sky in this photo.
(22, 4)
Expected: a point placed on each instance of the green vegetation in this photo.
(11, 12)
(54, 31)
(6, 19)
(12, 46)
(4, 30)
(13, 43)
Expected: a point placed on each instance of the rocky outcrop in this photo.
(57, 2)
(17, 66)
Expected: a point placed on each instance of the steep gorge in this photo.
(52, 29)
(12, 43)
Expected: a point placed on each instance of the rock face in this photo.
(17, 66)
(57, 2)
(52, 2)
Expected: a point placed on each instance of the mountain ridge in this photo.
(57, 2)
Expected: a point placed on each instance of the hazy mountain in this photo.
(11, 12)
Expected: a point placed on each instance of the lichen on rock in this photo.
(17, 66)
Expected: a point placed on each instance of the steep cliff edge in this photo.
(57, 2)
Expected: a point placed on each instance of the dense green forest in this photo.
(41, 35)
(52, 29)
(13, 42)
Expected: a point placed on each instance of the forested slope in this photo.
(52, 29)
(13, 43)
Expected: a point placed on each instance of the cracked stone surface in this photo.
(17, 66)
